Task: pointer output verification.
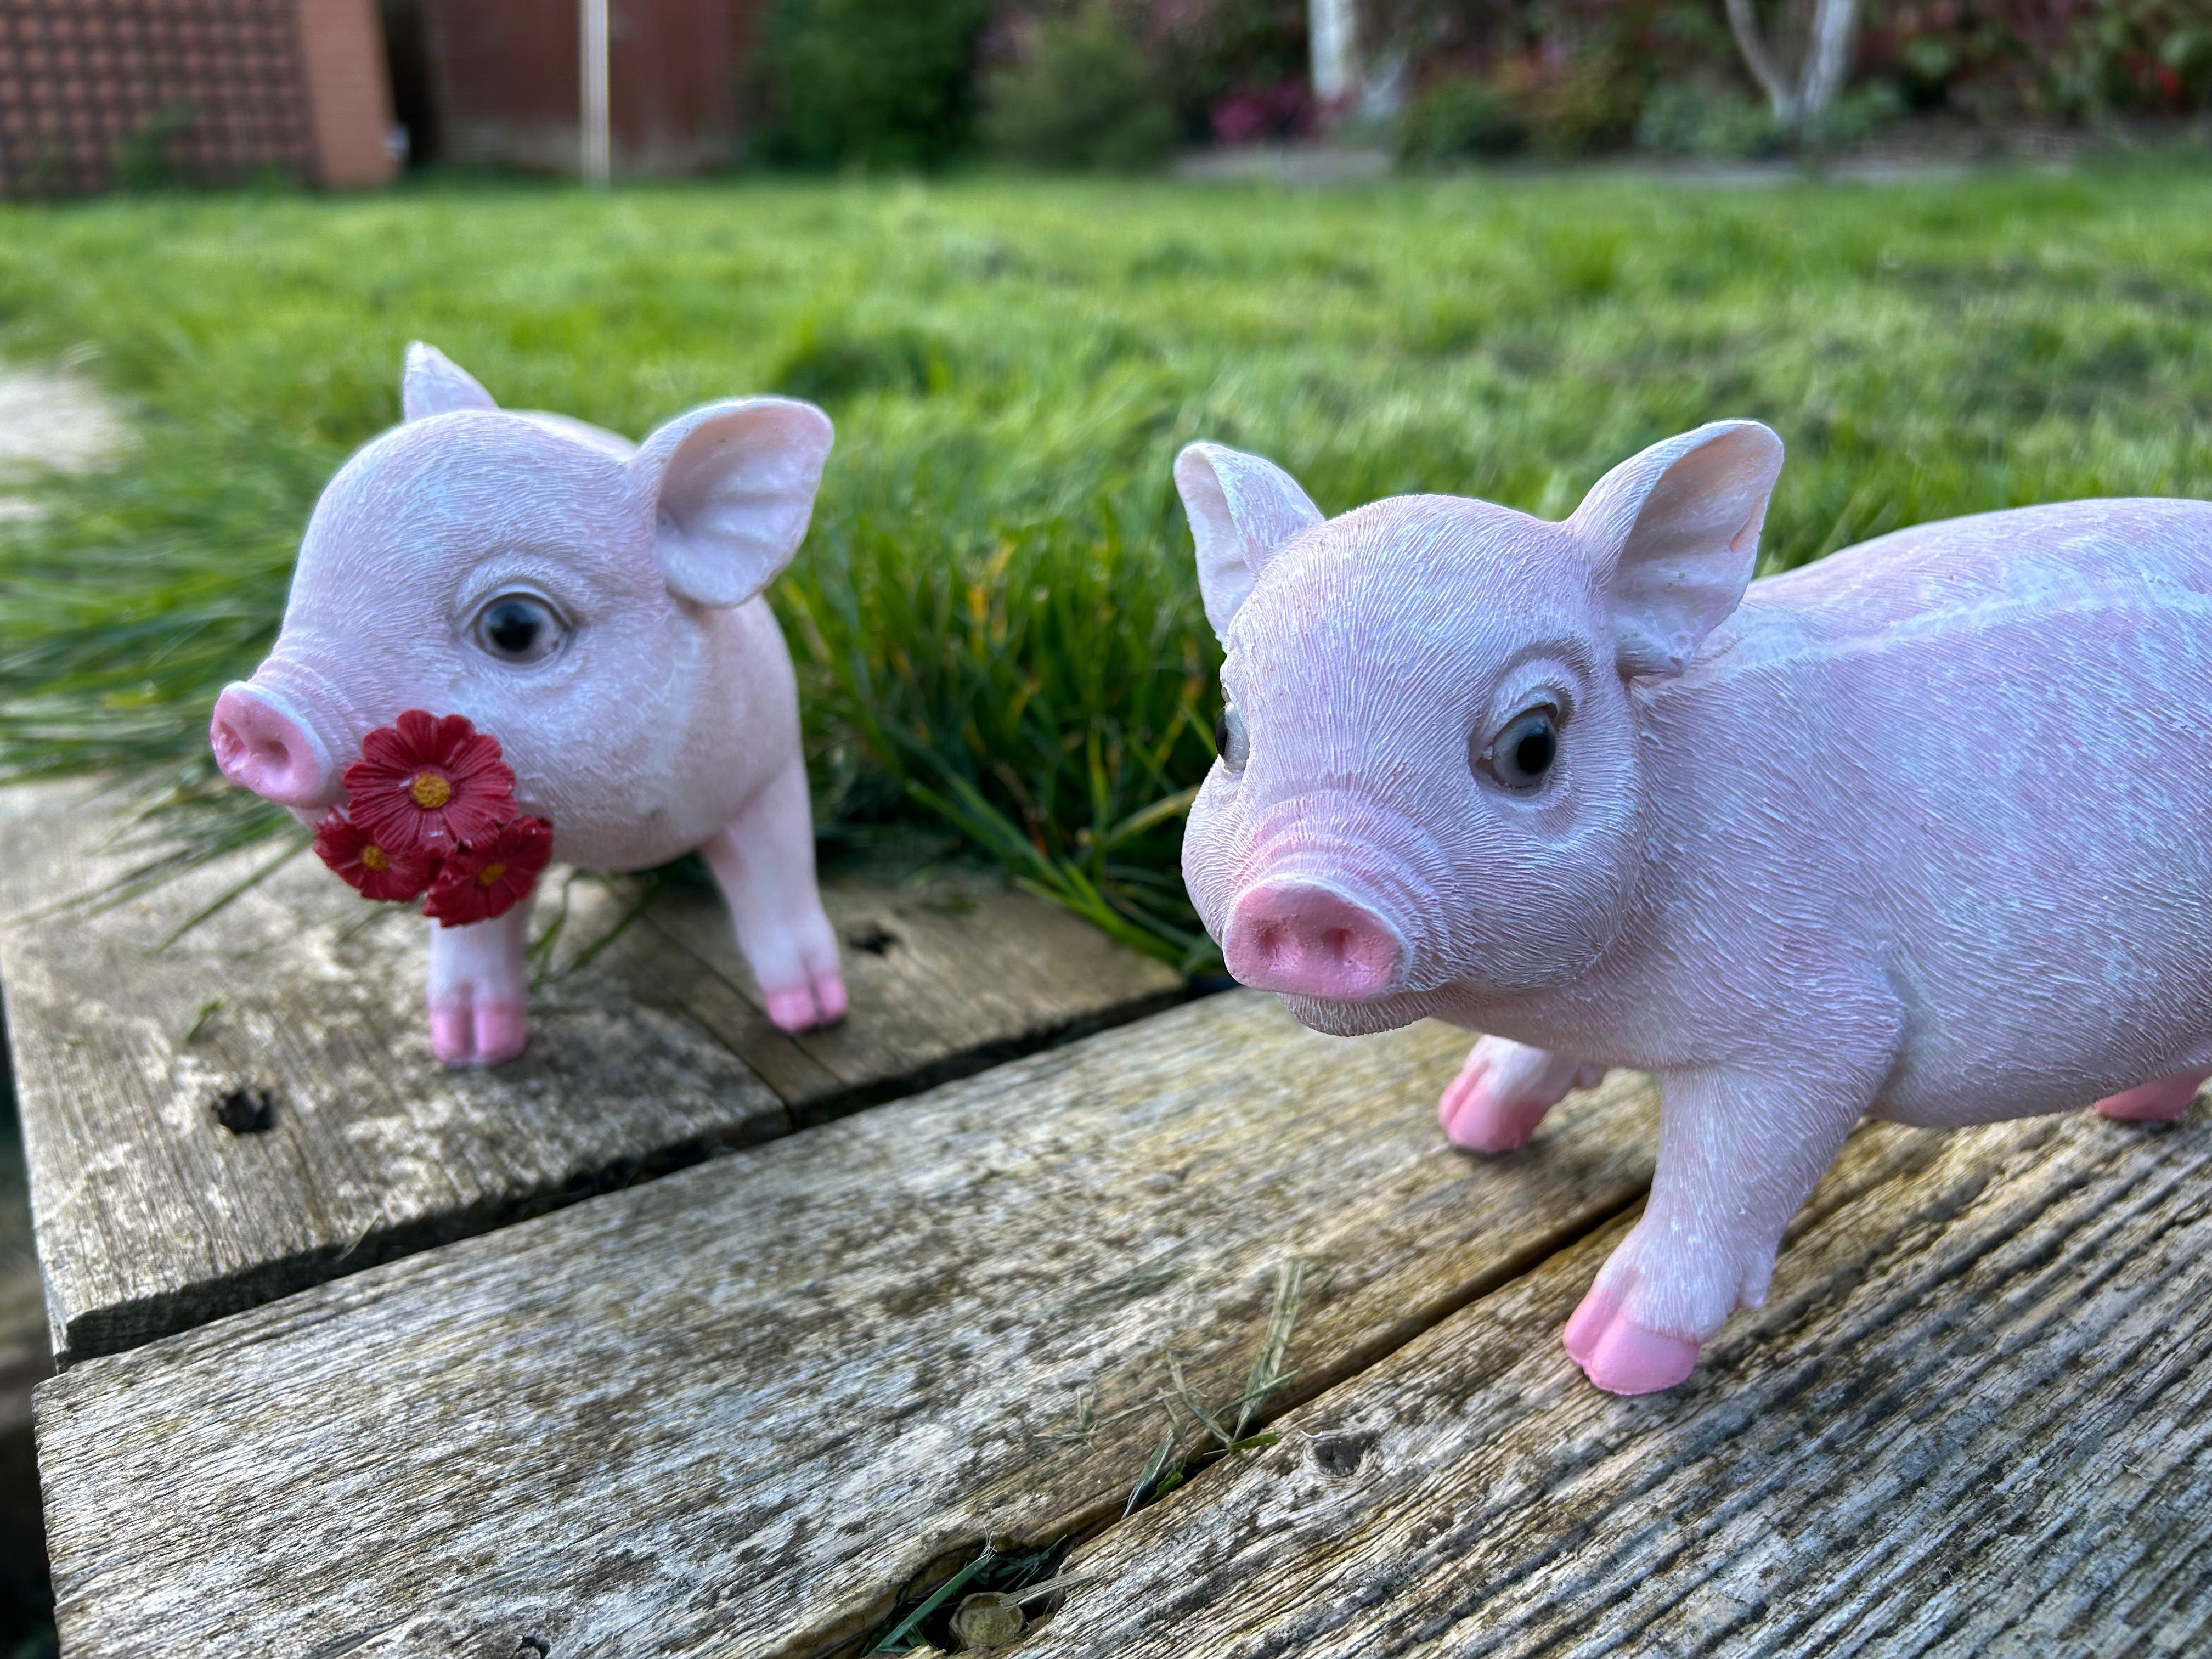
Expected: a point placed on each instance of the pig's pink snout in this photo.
(260, 747)
(1291, 936)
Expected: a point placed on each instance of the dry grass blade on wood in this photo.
(902, 1633)
(1150, 1473)
(1164, 1471)
(1267, 1372)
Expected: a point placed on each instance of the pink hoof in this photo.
(1622, 1358)
(2162, 1102)
(803, 1007)
(1591, 1315)
(792, 1010)
(1474, 1118)
(480, 1034)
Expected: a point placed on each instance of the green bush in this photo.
(2150, 56)
(1692, 118)
(1205, 51)
(1997, 60)
(871, 83)
(1083, 96)
(1462, 119)
(1695, 117)
(1858, 114)
(1588, 105)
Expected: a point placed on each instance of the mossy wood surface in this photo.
(298, 1007)
(738, 1408)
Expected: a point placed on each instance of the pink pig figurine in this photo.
(594, 606)
(1916, 831)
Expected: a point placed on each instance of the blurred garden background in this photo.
(1957, 253)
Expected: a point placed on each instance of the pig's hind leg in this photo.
(1738, 1156)
(763, 861)
(479, 987)
(1504, 1091)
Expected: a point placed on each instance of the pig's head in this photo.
(546, 578)
(1429, 772)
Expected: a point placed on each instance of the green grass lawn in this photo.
(994, 619)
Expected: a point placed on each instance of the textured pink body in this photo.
(663, 718)
(1918, 831)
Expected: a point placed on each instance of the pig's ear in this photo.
(1242, 509)
(433, 384)
(732, 486)
(1676, 532)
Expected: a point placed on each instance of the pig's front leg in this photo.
(763, 861)
(479, 985)
(1504, 1091)
(1738, 1156)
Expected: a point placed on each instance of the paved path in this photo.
(51, 418)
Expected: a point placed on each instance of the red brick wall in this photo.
(95, 93)
(506, 74)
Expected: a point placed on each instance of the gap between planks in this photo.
(757, 1398)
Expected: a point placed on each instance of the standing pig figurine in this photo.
(593, 608)
(1915, 831)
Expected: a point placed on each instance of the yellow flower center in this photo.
(374, 859)
(490, 874)
(429, 790)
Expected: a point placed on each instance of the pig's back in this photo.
(1992, 739)
(2070, 557)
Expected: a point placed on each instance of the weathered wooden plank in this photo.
(155, 1217)
(1973, 1418)
(946, 979)
(755, 1397)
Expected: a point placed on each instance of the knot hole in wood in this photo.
(244, 1109)
(870, 936)
(1338, 1455)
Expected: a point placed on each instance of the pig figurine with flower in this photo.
(512, 634)
(1917, 831)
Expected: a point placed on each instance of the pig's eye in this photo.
(1229, 739)
(520, 627)
(1521, 756)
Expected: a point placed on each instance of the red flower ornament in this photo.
(370, 869)
(424, 784)
(433, 811)
(489, 878)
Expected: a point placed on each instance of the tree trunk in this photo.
(1829, 60)
(1780, 95)
(1333, 27)
(1799, 100)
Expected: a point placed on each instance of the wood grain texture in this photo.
(946, 980)
(1974, 1417)
(651, 1054)
(752, 1400)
